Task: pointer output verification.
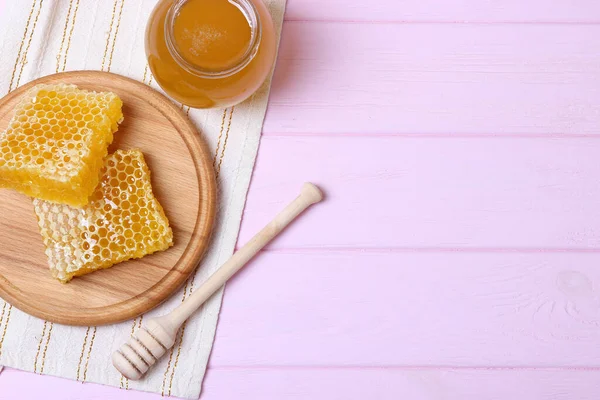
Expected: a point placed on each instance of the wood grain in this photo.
(338, 383)
(183, 182)
(385, 309)
(436, 79)
(479, 193)
(455, 11)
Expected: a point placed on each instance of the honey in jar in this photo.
(210, 53)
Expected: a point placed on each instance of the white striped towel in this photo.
(41, 37)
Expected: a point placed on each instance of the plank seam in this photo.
(435, 22)
(399, 249)
(359, 135)
(404, 367)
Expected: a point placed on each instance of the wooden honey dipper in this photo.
(134, 358)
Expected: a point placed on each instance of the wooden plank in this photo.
(326, 384)
(458, 11)
(401, 384)
(432, 79)
(29, 386)
(386, 309)
(449, 193)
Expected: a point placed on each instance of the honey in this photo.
(123, 220)
(55, 143)
(210, 53)
(212, 34)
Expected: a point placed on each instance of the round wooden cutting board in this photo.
(183, 182)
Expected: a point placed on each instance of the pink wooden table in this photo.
(458, 253)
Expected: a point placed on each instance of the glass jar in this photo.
(201, 53)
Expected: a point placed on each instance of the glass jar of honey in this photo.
(210, 53)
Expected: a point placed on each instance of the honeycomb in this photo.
(55, 143)
(123, 220)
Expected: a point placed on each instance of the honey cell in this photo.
(54, 146)
(119, 223)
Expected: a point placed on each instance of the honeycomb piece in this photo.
(123, 220)
(55, 143)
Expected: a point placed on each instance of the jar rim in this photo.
(252, 16)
